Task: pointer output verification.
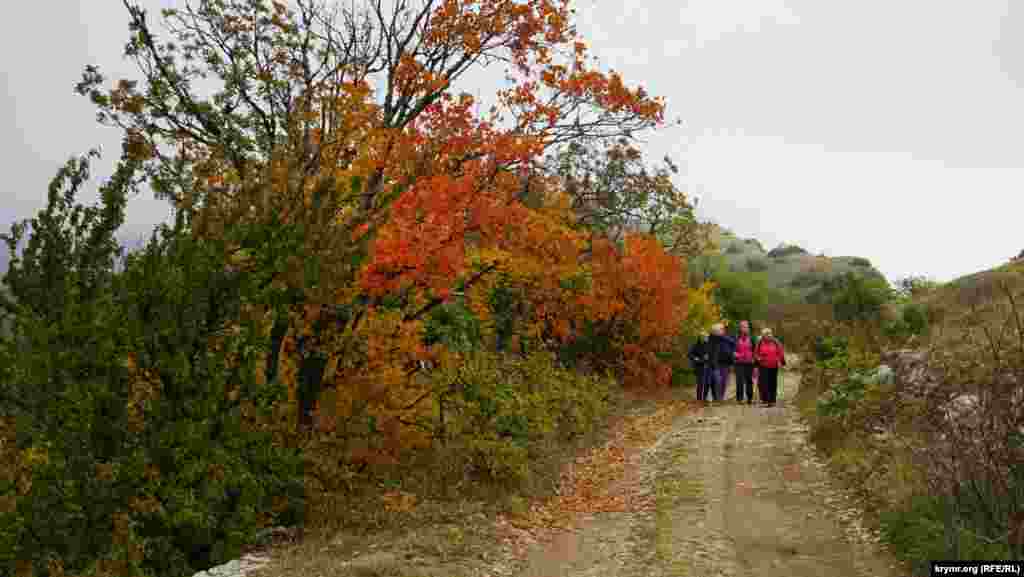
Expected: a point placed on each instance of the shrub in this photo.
(860, 262)
(499, 424)
(978, 445)
(757, 264)
(858, 298)
(504, 411)
(806, 280)
(783, 251)
(827, 348)
(126, 409)
(913, 321)
(916, 317)
(929, 528)
(741, 295)
(846, 396)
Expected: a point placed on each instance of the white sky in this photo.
(886, 129)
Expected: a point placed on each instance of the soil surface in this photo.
(724, 490)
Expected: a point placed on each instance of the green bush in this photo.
(506, 411)
(916, 532)
(807, 280)
(915, 317)
(118, 469)
(840, 400)
(857, 297)
(742, 295)
(827, 348)
(757, 264)
(930, 527)
(860, 261)
(913, 320)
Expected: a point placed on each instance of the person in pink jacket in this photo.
(770, 357)
(745, 344)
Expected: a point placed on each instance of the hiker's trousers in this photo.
(768, 384)
(701, 373)
(744, 381)
(719, 377)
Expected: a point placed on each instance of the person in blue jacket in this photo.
(699, 362)
(721, 356)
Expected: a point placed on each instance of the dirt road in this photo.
(733, 490)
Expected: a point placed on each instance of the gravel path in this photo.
(733, 490)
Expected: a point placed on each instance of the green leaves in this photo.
(505, 409)
(859, 297)
(142, 371)
(453, 325)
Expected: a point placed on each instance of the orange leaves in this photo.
(640, 296)
(600, 480)
(423, 244)
(398, 501)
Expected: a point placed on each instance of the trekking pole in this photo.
(781, 380)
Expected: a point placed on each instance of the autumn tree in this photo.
(613, 191)
(357, 206)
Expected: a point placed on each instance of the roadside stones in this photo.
(235, 568)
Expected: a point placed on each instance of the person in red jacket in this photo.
(770, 357)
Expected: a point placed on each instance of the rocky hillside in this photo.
(789, 268)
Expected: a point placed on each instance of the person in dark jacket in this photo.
(699, 362)
(745, 344)
(721, 355)
(770, 357)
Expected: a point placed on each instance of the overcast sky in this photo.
(886, 129)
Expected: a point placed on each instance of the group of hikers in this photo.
(714, 355)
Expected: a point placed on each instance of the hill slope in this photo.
(787, 268)
(979, 300)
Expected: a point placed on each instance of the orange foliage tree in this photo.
(360, 210)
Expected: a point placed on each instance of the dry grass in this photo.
(977, 297)
(433, 538)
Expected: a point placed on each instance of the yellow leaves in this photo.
(24, 468)
(703, 310)
(487, 256)
(34, 456)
